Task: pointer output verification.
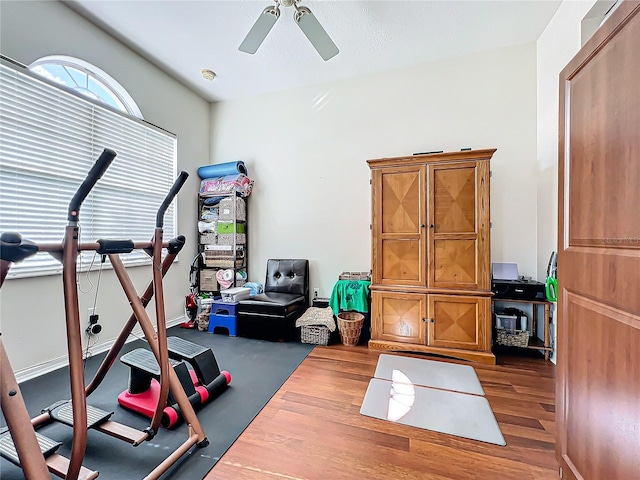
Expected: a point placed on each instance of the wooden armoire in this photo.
(430, 281)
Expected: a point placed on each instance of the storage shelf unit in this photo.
(223, 246)
(535, 343)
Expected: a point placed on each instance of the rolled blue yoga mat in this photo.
(222, 169)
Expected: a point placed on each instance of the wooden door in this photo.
(399, 317)
(598, 390)
(398, 254)
(458, 234)
(457, 321)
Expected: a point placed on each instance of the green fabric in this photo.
(350, 296)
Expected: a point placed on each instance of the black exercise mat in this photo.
(258, 368)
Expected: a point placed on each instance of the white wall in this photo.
(307, 150)
(556, 47)
(31, 310)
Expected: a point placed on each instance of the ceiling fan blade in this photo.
(317, 35)
(260, 30)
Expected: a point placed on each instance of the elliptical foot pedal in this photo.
(8, 449)
(95, 416)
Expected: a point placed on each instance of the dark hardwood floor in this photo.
(312, 428)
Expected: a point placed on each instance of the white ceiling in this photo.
(185, 36)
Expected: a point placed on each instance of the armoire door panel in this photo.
(457, 321)
(455, 234)
(401, 262)
(401, 202)
(398, 224)
(399, 317)
(454, 199)
(455, 262)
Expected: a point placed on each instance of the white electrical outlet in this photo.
(316, 292)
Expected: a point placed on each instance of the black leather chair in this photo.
(272, 315)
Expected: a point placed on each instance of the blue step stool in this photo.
(223, 315)
(223, 308)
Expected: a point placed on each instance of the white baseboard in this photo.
(47, 367)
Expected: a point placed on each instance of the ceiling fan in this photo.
(306, 20)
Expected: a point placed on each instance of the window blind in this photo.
(49, 139)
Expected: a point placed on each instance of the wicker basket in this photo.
(314, 334)
(512, 338)
(350, 326)
(354, 276)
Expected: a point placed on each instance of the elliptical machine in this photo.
(27, 445)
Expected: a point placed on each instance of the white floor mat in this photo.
(453, 413)
(429, 373)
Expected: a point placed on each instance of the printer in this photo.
(507, 284)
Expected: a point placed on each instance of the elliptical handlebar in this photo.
(14, 248)
(96, 172)
(177, 185)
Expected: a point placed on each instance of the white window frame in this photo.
(50, 136)
(117, 92)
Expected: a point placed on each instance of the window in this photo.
(87, 80)
(50, 136)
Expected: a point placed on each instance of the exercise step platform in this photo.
(143, 390)
(144, 367)
(144, 360)
(201, 358)
(8, 449)
(64, 414)
(201, 383)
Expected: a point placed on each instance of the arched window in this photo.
(86, 79)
